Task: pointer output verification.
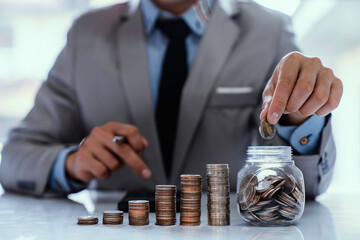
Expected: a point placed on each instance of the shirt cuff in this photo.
(58, 181)
(305, 138)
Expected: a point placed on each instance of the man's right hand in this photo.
(98, 156)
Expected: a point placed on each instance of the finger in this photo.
(265, 107)
(103, 154)
(303, 87)
(125, 152)
(133, 160)
(132, 134)
(85, 176)
(320, 94)
(89, 167)
(268, 93)
(336, 92)
(288, 74)
(106, 139)
(145, 142)
(82, 166)
(97, 168)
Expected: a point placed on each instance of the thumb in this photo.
(265, 106)
(268, 95)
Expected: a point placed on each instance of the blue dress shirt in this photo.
(156, 44)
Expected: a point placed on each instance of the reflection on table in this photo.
(23, 217)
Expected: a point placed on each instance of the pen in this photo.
(119, 139)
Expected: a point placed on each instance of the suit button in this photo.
(304, 140)
(58, 185)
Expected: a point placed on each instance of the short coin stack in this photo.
(113, 217)
(165, 205)
(87, 220)
(218, 193)
(273, 200)
(190, 201)
(139, 212)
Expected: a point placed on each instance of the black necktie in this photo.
(174, 73)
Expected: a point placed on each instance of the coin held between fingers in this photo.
(267, 130)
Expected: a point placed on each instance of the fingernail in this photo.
(274, 117)
(146, 173)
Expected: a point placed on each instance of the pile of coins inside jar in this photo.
(190, 201)
(272, 200)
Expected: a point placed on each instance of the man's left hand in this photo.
(300, 87)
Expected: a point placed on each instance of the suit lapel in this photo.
(215, 47)
(132, 59)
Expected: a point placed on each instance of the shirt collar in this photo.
(196, 17)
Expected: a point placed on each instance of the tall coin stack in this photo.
(165, 205)
(218, 194)
(139, 212)
(190, 201)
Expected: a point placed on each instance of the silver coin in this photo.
(267, 130)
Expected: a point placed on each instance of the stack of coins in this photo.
(165, 205)
(87, 220)
(190, 201)
(218, 193)
(139, 212)
(113, 217)
(273, 200)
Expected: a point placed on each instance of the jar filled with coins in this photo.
(270, 188)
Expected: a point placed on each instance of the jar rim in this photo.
(269, 154)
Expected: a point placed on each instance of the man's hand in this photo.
(99, 156)
(300, 87)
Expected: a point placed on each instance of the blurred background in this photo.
(33, 32)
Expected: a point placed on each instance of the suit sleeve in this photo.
(52, 124)
(318, 167)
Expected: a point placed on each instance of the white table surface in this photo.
(332, 216)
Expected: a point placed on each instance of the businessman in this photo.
(186, 83)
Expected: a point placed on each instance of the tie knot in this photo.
(174, 29)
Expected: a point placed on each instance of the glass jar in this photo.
(270, 188)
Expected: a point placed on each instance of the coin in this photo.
(87, 220)
(218, 194)
(267, 130)
(190, 201)
(273, 200)
(165, 205)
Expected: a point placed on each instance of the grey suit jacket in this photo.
(101, 75)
